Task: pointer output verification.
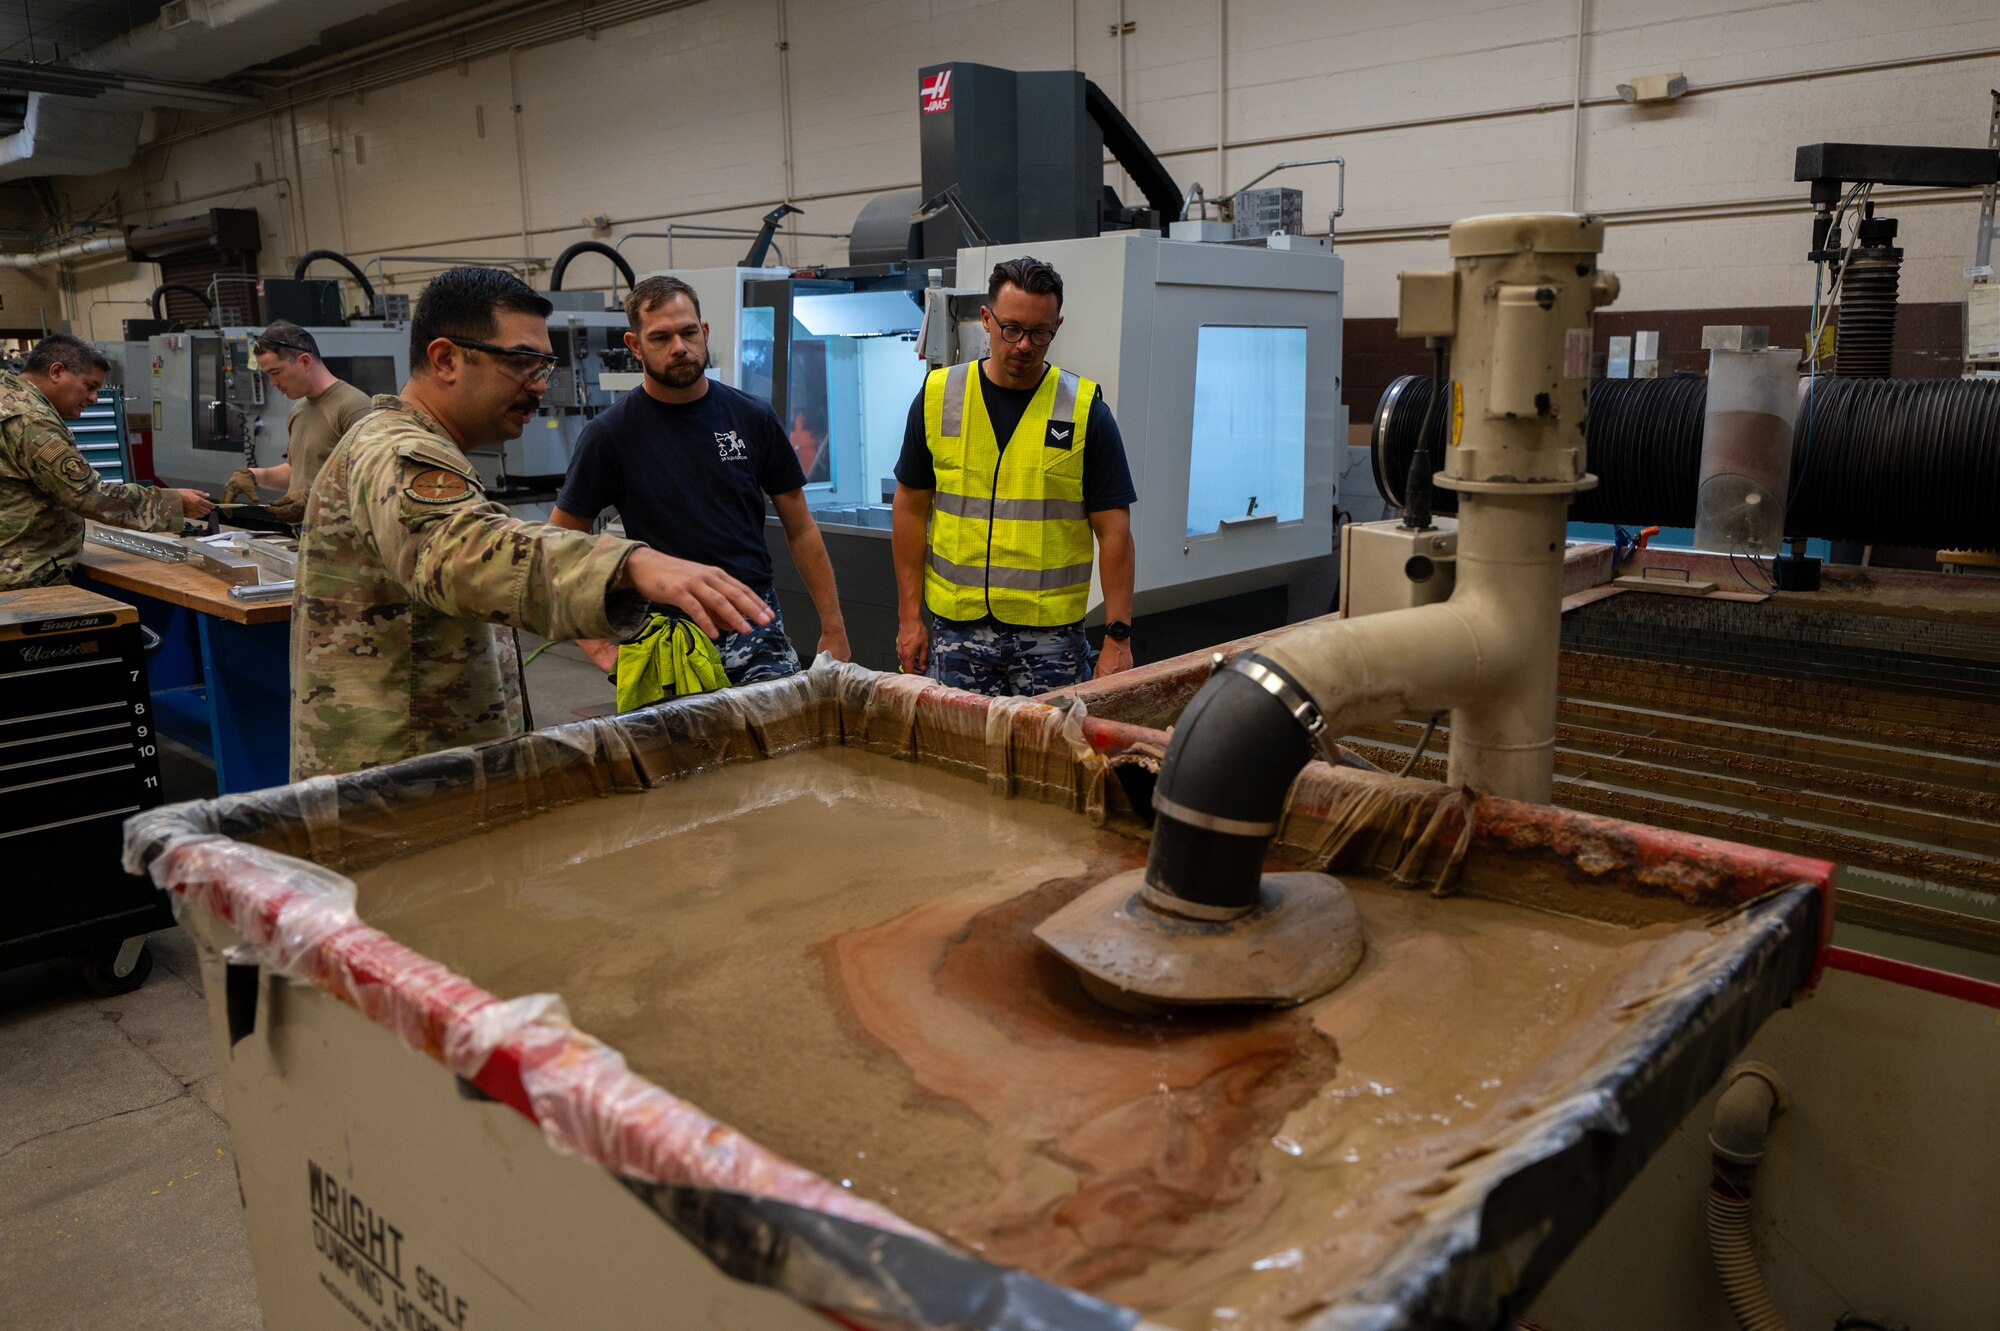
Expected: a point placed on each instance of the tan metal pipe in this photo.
(76, 249)
(1516, 309)
(1488, 654)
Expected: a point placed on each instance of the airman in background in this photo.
(325, 408)
(47, 487)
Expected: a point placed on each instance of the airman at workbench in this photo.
(406, 569)
(324, 408)
(47, 488)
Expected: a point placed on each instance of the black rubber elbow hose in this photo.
(307, 259)
(591, 247)
(1234, 754)
(160, 292)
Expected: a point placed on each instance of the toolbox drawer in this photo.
(78, 755)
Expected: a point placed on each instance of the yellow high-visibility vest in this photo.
(1009, 535)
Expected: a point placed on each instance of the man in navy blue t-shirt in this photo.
(687, 462)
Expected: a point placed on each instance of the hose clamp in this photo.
(1164, 901)
(1211, 822)
(1303, 709)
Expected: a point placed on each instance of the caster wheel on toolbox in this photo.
(100, 972)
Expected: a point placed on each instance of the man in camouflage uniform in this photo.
(47, 488)
(406, 568)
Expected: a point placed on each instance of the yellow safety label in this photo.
(1457, 411)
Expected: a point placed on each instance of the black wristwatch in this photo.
(1118, 630)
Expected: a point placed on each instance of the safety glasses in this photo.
(525, 366)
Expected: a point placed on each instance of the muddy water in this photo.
(832, 952)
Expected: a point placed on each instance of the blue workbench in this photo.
(221, 679)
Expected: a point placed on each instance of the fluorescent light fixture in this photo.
(857, 313)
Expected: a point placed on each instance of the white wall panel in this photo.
(682, 117)
(1170, 70)
(391, 148)
(1761, 260)
(678, 114)
(1323, 68)
(854, 78)
(27, 295)
(1740, 143)
(1738, 40)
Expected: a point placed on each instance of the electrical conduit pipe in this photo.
(1737, 1134)
(76, 249)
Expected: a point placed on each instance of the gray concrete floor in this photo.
(118, 1196)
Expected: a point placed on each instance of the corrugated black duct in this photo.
(1879, 461)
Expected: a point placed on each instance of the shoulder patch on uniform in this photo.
(415, 446)
(437, 485)
(75, 469)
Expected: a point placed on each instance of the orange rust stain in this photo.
(1119, 1142)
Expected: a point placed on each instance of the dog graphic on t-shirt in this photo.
(730, 447)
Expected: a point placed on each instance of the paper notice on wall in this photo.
(1982, 322)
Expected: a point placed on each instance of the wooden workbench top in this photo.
(176, 584)
(58, 609)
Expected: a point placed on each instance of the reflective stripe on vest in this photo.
(1015, 579)
(1009, 533)
(1023, 510)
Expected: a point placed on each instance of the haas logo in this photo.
(936, 92)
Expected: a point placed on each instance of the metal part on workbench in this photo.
(166, 549)
(224, 562)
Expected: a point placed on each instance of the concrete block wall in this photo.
(713, 112)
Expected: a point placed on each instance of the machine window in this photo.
(841, 372)
(757, 348)
(370, 374)
(808, 409)
(1247, 458)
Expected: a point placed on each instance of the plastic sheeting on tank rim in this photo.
(1479, 1246)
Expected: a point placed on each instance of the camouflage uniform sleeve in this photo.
(66, 476)
(463, 555)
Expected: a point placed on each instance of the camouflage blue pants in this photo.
(1007, 662)
(762, 653)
